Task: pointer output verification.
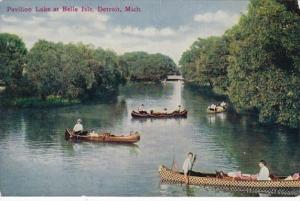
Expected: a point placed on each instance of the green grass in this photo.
(30, 102)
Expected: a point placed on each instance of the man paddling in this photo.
(78, 128)
(187, 165)
(141, 109)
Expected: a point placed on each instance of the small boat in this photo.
(175, 114)
(219, 109)
(203, 179)
(103, 137)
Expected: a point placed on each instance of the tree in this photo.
(256, 62)
(73, 70)
(44, 68)
(77, 74)
(205, 64)
(149, 67)
(12, 61)
(264, 67)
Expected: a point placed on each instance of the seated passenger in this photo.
(223, 104)
(213, 107)
(165, 111)
(78, 128)
(264, 173)
(141, 109)
(179, 109)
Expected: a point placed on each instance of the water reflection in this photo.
(216, 119)
(79, 146)
(36, 159)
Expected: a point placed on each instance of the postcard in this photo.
(150, 98)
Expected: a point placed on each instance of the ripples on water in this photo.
(36, 160)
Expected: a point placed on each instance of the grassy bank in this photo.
(28, 102)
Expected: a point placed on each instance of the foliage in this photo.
(44, 68)
(12, 60)
(73, 70)
(205, 63)
(264, 68)
(259, 60)
(148, 67)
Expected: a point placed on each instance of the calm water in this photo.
(36, 160)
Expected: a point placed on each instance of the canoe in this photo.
(105, 137)
(203, 179)
(219, 109)
(182, 114)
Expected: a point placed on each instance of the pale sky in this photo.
(165, 26)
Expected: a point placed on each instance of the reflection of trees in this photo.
(42, 126)
(144, 89)
(158, 120)
(11, 122)
(45, 127)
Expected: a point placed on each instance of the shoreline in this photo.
(35, 102)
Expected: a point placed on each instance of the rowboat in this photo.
(219, 109)
(104, 137)
(275, 186)
(175, 114)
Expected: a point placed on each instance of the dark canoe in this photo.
(174, 114)
(275, 186)
(132, 138)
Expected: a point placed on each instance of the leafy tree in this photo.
(12, 61)
(256, 62)
(264, 67)
(77, 75)
(206, 63)
(44, 68)
(73, 70)
(149, 67)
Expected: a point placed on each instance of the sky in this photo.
(165, 26)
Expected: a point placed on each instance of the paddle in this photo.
(174, 165)
(193, 162)
(194, 159)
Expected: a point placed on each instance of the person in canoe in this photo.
(187, 165)
(78, 128)
(141, 109)
(212, 107)
(264, 173)
(295, 176)
(165, 111)
(223, 104)
(179, 109)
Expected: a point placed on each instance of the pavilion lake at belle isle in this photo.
(36, 160)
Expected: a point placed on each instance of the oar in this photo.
(194, 159)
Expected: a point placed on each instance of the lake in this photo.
(35, 159)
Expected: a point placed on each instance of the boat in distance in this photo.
(175, 114)
(218, 109)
